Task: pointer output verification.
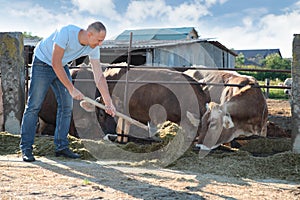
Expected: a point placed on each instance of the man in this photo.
(49, 69)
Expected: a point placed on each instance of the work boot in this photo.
(28, 156)
(67, 153)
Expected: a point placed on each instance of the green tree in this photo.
(240, 59)
(274, 61)
(30, 36)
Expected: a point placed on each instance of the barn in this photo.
(167, 47)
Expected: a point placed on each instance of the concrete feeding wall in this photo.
(12, 80)
(296, 94)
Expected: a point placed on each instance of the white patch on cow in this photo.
(194, 121)
(203, 147)
(106, 137)
(227, 122)
(87, 106)
(288, 82)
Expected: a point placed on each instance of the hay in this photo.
(43, 146)
(278, 162)
(166, 132)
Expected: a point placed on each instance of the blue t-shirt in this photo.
(67, 38)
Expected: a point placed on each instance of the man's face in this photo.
(96, 38)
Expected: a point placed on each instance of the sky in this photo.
(237, 24)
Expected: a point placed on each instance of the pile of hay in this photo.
(166, 132)
(43, 146)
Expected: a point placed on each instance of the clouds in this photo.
(236, 24)
(263, 32)
(105, 8)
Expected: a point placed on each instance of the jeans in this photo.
(43, 77)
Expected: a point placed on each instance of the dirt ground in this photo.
(263, 168)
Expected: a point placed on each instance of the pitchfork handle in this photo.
(125, 117)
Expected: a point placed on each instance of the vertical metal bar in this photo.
(124, 127)
(126, 77)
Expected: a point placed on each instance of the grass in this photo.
(274, 93)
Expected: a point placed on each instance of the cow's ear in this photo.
(87, 106)
(194, 121)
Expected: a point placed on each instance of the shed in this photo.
(169, 53)
(171, 47)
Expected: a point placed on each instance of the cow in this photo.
(149, 99)
(234, 110)
(288, 83)
(81, 122)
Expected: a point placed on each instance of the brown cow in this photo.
(149, 99)
(83, 124)
(235, 111)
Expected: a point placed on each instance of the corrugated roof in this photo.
(31, 41)
(145, 43)
(251, 53)
(157, 34)
(150, 44)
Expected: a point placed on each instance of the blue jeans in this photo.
(43, 77)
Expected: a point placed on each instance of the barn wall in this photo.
(296, 94)
(193, 54)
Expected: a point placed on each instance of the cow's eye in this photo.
(213, 124)
(101, 114)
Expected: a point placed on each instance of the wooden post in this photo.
(12, 79)
(267, 83)
(296, 94)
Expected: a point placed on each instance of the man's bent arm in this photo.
(101, 84)
(57, 56)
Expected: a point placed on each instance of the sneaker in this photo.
(67, 153)
(28, 156)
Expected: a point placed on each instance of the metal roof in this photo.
(31, 41)
(151, 44)
(251, 53)
(158, 34)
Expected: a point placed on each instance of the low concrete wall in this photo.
(12, 79)
(296, 94)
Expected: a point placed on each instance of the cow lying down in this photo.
(149, 99)
(237, 111)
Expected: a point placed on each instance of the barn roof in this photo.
(251, 53)
(151, 44)
(160, 34)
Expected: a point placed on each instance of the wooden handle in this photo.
(125, 117)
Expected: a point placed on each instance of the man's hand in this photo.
(110, 109)
(76, 94)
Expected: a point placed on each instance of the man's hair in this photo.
(96, 26)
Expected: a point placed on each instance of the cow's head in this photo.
(107, 122)
(215, 125)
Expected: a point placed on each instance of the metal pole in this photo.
(127, 70)
(123, 128)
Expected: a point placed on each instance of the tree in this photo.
(30, 36)
(274, 61)
(240, 59)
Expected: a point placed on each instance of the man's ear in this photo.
(87, 106)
